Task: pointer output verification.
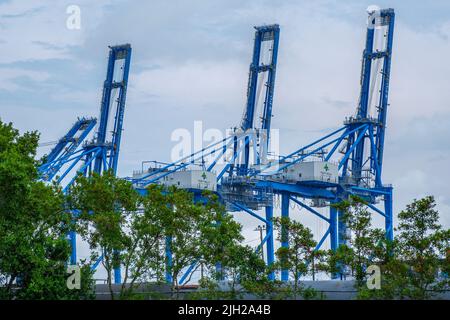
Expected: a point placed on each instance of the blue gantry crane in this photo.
(263, 67)
(352, 165)
(345, 162)
(246, 146)
(249, 134)
(65, 148)
(70, 157)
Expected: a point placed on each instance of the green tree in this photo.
(33, 226)
(104, 205)
(412, 265)
(393, 273)
(201, 231)
(143, 258)
(362, 241)
(220, 234)
(339, 259)
(299, 257)
(423, 245)
(182, 234)
(243, 272)
(253, 273)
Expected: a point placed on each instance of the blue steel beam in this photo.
(269, 233)
(334, 239)
(74, 163)
(282, 165)
(110, 105)
(298, 151)
(199, 154)
(65, 147)
(361, 135)
(268, 102)
(366, 71)
(378, 21)
(263, 34)
(70, 142)
(125, 51)
(388, 211)
(371, 206)
(366, 68)
(270, 240)
(284, 231)
(355, 133)
(298, 190)
(247, 121)
(168, 253)
(97, 262)
(156, 175)
(188, 272)
(322, 240)
(374, 159)
(389, 15)
(102, 152)
(86, 164)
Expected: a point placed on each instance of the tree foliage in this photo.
(361, 243)
(33, 226)
(300, 258)
(412, 266)
(415, 265)
(198, 231)
(103, 205)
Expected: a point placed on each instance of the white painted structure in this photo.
(188, 179)
(323, 171)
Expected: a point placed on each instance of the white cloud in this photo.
(8, 76)
(36, 30)
(193, 84)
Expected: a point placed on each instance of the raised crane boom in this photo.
(102, 153)
(65, 147)
(113, 103)
(373, 102)
(264, 62)
(263, 35)
(352, 165)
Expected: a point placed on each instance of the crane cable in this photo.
(48, 143)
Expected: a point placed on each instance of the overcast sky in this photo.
(190, 62)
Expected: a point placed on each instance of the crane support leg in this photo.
(269, 243)
(388, 212)
(334, 242)
(73, 246)
(284, 232)
(342, 229)
(117, 272)
(333, 229)
(168, 259)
